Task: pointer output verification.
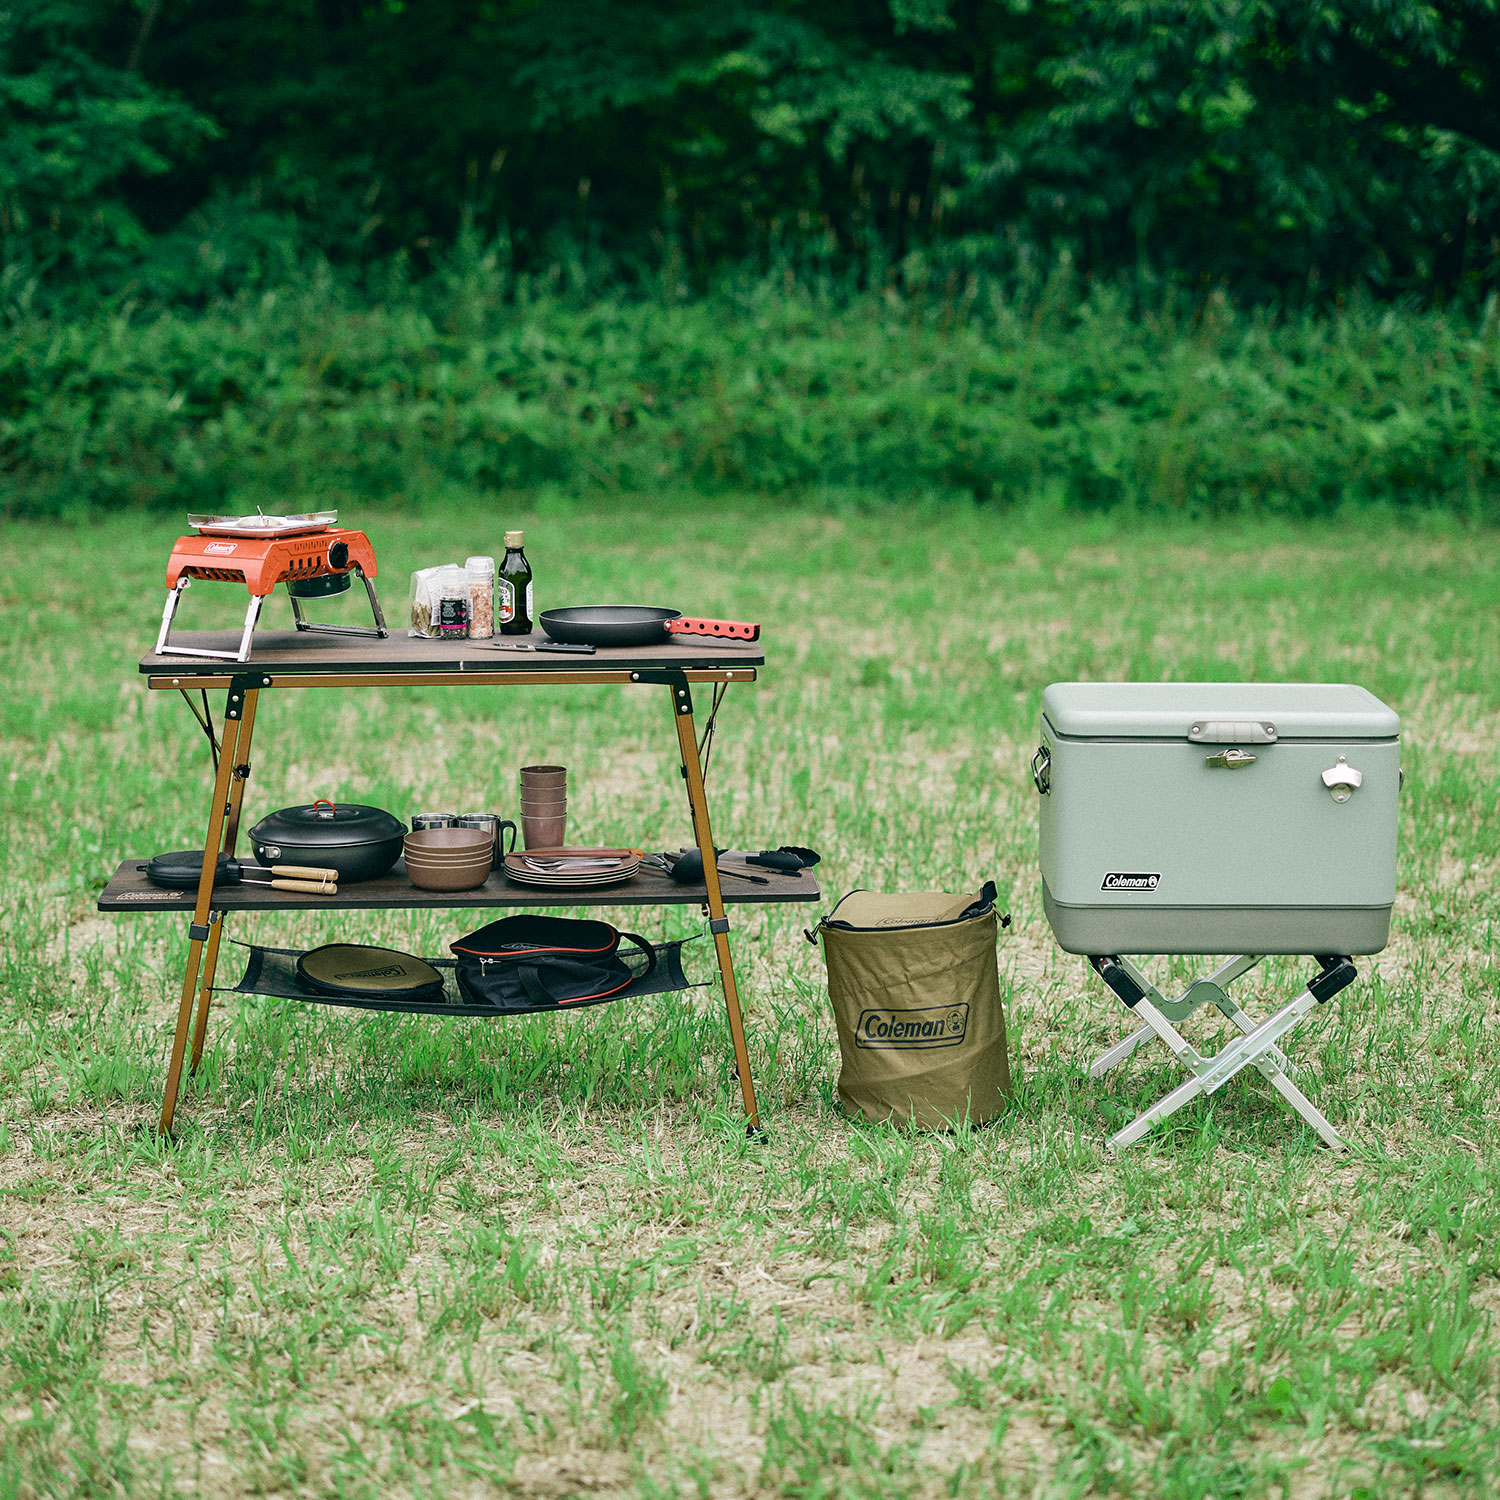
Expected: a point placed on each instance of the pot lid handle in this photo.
(320, 804)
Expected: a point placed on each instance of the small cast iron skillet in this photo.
(635, 625)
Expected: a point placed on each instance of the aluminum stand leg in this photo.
(174, 598)
(252, 614)
(1208, 991)
(1254, 1047)
(377, 629)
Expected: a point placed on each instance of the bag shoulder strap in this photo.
(530, 972)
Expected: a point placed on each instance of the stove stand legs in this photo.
(174, 597)
(1254, 1047)
(378, 629)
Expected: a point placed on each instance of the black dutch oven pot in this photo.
(361, 843)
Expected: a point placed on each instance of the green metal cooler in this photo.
(1234, 818)
(1218, 817)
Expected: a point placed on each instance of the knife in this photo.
(558, 646)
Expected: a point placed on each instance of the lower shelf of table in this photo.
(129, 890)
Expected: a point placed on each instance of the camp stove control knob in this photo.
(1342, 780)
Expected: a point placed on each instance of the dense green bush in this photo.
(1092, 400)
(1290, 148)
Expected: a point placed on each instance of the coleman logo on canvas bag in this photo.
(913, 1030)
(1120, 881)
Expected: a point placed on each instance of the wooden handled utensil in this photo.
(180, 871)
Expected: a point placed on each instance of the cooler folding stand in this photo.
(1203, 817)
(1257, 1046)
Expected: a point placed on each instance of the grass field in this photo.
(401, 1256)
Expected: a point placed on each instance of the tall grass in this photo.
(1085, 397)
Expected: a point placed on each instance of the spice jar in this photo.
(481, 579)
(450, 615)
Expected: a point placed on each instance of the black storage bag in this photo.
(520, 963)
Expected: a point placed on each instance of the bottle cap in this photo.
(515, 538)
(479, 564)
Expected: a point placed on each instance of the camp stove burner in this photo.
(313, 563)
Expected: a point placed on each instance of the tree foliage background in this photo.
(1185, 255)
(183, 149)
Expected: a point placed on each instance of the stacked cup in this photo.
(544, 806)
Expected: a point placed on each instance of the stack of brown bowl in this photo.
(448, 859)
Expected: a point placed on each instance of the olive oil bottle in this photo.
(513, 588)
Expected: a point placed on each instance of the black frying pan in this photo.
(635, 625)
(180, 870)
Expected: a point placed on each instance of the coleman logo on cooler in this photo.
(913, 1030)
(1119, 881)
(221, 547)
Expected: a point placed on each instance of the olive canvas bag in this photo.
(915, 987)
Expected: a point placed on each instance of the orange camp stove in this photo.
(314, 558)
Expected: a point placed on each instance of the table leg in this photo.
(199, 930)
(239, 776)
(687, 740)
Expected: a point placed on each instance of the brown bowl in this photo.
(461, 878)
(428, 862)
(448, 841)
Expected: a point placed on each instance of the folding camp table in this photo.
(289, 659)
(1255, 1047)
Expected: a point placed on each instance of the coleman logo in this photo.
(1118, 881)
(913, 1030)
(386, 971)
(223, 548)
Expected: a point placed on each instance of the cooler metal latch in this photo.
(1342, 780)
(1231, 760)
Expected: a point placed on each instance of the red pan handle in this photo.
(735, 630)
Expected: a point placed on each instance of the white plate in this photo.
(574, 882)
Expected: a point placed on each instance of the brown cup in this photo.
(544, 830)
(534, 778)
(537, 803)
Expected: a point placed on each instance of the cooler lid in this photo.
(1218, 712)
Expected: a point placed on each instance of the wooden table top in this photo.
(306, 652)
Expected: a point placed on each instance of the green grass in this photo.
(396, 1255)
